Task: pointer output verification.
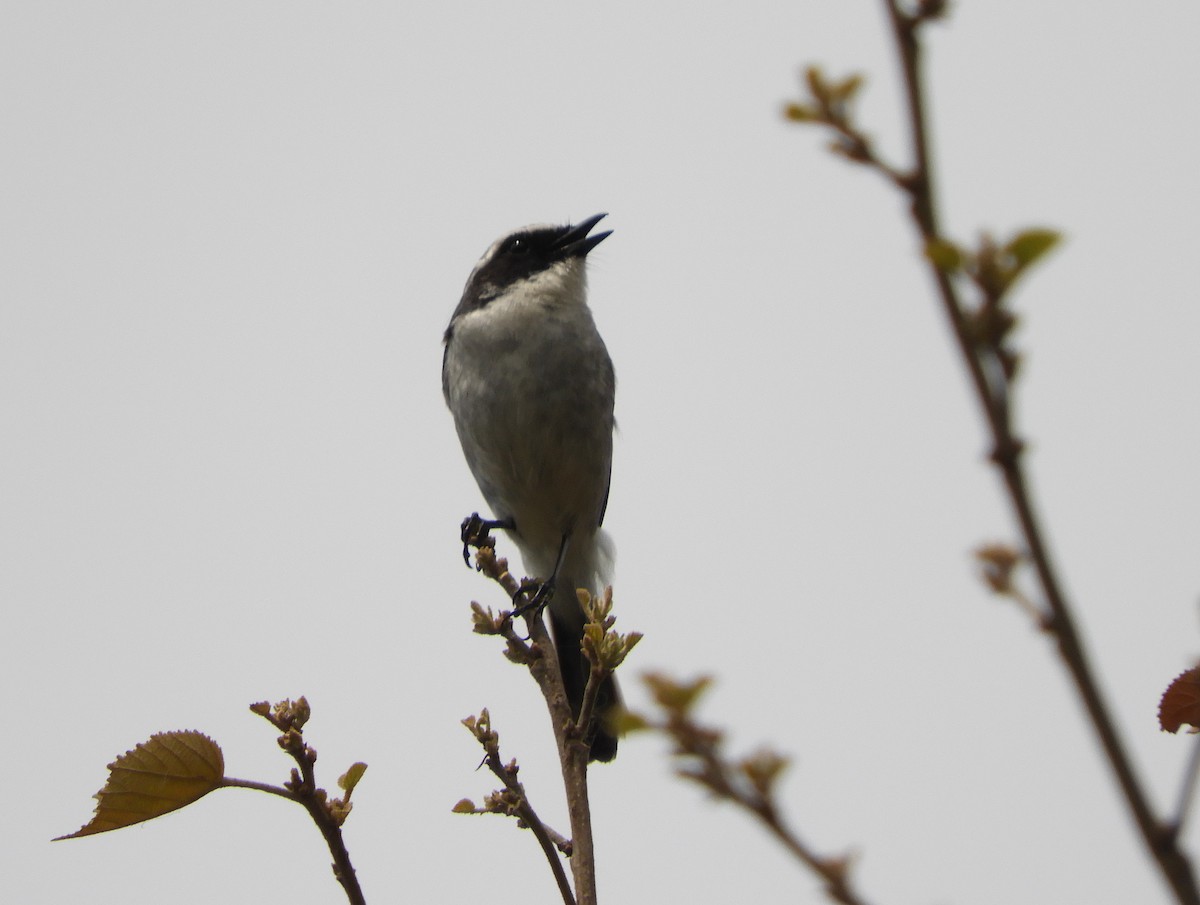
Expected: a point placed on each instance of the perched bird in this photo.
(531, 388)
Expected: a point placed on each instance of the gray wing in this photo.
(611, 380)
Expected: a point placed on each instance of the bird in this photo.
(531, 387)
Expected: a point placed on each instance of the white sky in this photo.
(230, 237)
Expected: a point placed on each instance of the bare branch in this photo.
(1006, 455)
(749, 783)
(1187, 789)
(982, 333)
(568, 735)
(516, 803)
(289, 717)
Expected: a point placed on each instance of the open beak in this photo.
(576, 242)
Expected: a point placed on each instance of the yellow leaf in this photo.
(161, 775)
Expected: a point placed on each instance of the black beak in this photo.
(576, 242)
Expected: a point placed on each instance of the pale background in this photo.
(230, 237)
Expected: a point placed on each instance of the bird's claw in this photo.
(476, 532)
(541, 597)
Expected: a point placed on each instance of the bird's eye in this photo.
(518, 246)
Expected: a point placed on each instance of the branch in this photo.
(1006, 455)
(515, 802)
(289, 717)
(1187, 789)
(749, 783)
(569, 737)
(981, 334)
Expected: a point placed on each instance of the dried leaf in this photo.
(998, 562)
(161, 775)
(1181, 702)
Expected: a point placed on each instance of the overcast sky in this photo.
(231, 235)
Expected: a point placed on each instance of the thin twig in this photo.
(550, 841)
(572, 749)
(1187, 789)
(591, 693)
(331, 830)
(289, 717)
(1006, 454)
(750, 783)
(832, 870)
(234, 783)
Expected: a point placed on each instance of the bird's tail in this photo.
(566, 623)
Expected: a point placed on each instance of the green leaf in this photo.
(1026, 247)
(674, 695)
(843, 91)
(799, 113)
(763, 769)
(623, 722)
(944, 255)
(816, 83)
(348, 780)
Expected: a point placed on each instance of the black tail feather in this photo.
(575, 671)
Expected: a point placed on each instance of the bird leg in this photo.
(545, 589)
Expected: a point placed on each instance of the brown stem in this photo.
(833, 872)
(572, 750)
(699, 749)
(330, 829)
(1187, 789)
(591, 693)
(550, 841)
(1159, 840)
(304, 796)
(573, 756)
(230, 782)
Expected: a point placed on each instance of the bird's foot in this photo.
(530, 604)
(476, 532)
